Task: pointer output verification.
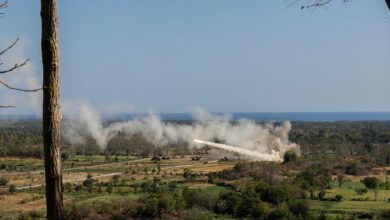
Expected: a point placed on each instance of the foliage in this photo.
(4, 181)
(371, 182)
(316, 176)
(12, 189)
(290, 156)
(88, 183)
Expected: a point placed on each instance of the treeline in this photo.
(370, 139)
(360, 136)
(23, 138)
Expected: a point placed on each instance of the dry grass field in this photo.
(32, 199)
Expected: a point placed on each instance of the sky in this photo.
(127, 56)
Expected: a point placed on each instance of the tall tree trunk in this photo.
(51, 109)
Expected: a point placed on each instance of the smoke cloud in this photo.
(273, 156)
(264, 139)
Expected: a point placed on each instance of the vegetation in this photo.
(341, 172)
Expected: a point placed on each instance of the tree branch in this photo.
(318, 3)
(12, 45)
(3, 5)
(23, 90)
(7, 106)
(14, 67)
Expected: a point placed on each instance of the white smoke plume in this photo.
(273, 156)
(244, 133)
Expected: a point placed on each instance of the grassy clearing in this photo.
(12, 205)
(348, 185)
(209, 188)
(110, 198)
(350, 206)
(134, 172)
(350, 194)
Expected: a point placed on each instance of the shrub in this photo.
(3, 181)
(109, 188)
(148, 207)
(290, 156)
(78, 188)
(370, 182)
(321, 195)
(385, 214)
(299, 207)
(338, 197)
(228, 202)
(361, 191)
(12, 189)
(165, 202)
(73, 211)
(115, 179)
(195, 197)
(280, 213)
(64, 156)
(25, 200)
(36, 214)
(24, 216)
(351, 169)
(197, 214)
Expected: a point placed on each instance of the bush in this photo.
(361, 191)
(195, 197)
(12, 189)
(165, 202)
(198, 214)
(351, 169)
(338, 197)
(280, 213)
(228, 203)
(272, 194)
(299, 207)
(148, 207)
(31, 215)
(290, 156)
(321, 195)
(64, 156)
(384, 215)
(370, 182)
(24, 216)
(3, 181)
(73, 211)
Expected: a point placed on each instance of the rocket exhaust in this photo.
(274, 156)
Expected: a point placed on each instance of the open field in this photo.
(132, 174)
(129, 172)
(350, 206)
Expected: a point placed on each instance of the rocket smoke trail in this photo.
(259, 141)
(274, 156)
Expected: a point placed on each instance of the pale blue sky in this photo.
(224, 56)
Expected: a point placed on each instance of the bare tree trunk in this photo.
(51, 109)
